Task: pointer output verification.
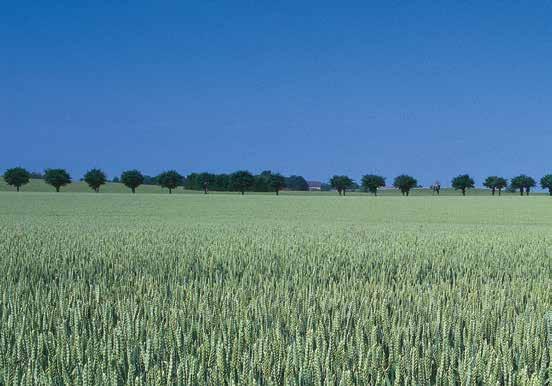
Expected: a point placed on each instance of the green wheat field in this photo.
(221, 289)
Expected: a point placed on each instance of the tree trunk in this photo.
(463, 191)
(277, 192)
(499, 191)
(57, 189)
(527, 191)
(407, 193)
(493, 191)
(204, 190)
(550, 191)
(133, 190)
(242, 192)
(170, 190)
(17, 188)
(344, 191)
(521, 191)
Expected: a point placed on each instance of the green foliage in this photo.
(204, 181)
(222, 182)
(170, 179)
(241, 181)
(462, 183)
(262, 182)
(17, 177)
(341, 184)
(277, 182)
(297, 183)
(495, 183)
(405, 183)
(264, 291)
(95, 178)
(546, 183)
(57, 178)
(522, 182)
(132, 179)
(371, 183)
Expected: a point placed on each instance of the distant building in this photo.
(314, 185)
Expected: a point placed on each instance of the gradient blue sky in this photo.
(312, 88)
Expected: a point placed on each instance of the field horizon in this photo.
(38, 185)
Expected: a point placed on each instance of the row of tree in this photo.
(242, 181)
(463, 182)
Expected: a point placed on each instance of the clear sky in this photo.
(432, 89)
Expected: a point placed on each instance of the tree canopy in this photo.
(277, 182)
(463, 182)
(297, 183)
(341, 183)
(17, 177)
(405, 183)
(371, 183)
(262, 182)
(241, 181)
(170, 179)
(522, 182)
(132, 179)
(546, 183)
(57, 178)
(495, 183)
(204, 181)
(95, 178)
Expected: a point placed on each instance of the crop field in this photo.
(116, 289)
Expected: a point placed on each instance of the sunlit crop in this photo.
(195, 290)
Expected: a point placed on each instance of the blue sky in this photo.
(312, 88)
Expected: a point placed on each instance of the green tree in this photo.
(262, 182)
(297, 183)
(57, 178)
(170, 179)
(463, 182)
(17, 177)
(546, 183)
(95, 178)
(404, 183)
(277, 182)
(495, 183)
(341, 184)
(221, 182)
(132, 179)
(371, 183)
(522, 182)
(241, 181)
(529, 183)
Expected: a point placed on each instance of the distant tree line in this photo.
(239, 181)
(242, 181)
(267, 181)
